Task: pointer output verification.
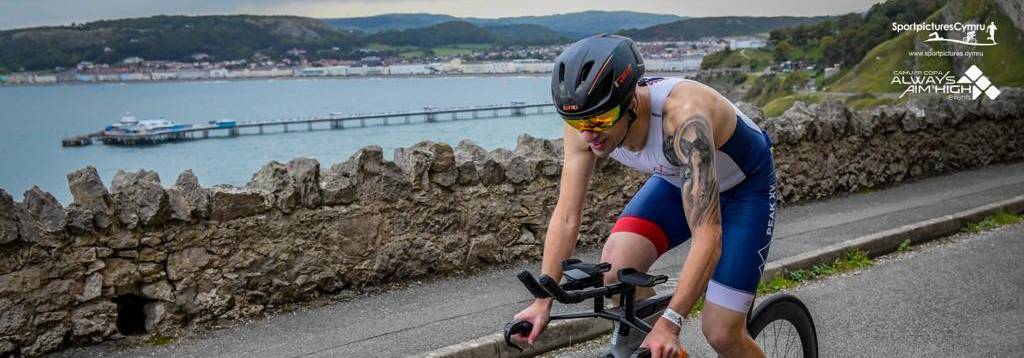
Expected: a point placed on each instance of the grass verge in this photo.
(1000, 218)
(852, 260)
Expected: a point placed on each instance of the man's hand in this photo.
(663, 341)
(537, 314)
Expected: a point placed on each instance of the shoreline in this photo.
(299, 78)
(283, 78)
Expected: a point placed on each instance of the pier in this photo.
(333, 121)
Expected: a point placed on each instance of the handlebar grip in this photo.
(517, 327)
(552, 287)
(531, 285)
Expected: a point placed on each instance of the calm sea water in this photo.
(35, 119)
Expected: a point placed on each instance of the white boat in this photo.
(131, 125)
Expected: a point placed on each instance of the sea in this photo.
(34, 119)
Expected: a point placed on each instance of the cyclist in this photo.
(713, 180)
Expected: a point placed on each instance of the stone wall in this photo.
(140, 257)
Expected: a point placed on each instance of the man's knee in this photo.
(628, 248)
(723, 329)
(720, 337)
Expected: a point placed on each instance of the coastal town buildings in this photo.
(660, 57)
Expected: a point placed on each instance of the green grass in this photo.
(409, 52)
(758, 59)
(460, 49)
(749, 79)
(777, 106)
(697, 307)
(1000, 218)
(770, 87)
(412, 54)
(383, 47)
(904, 246)
(852, 260)
(157, 340)
(867, 100)
(824, 83)
(971, 8)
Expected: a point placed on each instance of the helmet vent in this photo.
(584, 72)
(561, 72)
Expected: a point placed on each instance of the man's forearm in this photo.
(693, 280)
(559, 243)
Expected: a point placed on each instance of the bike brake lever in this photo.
(517, 327)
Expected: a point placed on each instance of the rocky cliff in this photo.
(143, 258)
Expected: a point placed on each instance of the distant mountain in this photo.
(462, 32)
(572, 25)
(527, 35)
(388, 22)
(453, 32)
(695, 28)
(166, 38)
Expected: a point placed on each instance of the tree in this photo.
(782, 50)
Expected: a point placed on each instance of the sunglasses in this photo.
(596, 123)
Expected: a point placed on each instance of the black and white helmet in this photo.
(594, 75)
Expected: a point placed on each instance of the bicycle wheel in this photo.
(782, 327)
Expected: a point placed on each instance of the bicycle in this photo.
(585, 281)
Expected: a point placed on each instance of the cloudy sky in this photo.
(25, 13)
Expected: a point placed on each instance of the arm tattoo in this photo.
(693, 146)
(670, 151)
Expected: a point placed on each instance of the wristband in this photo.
(673, 317)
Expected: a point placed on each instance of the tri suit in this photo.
(746, 177)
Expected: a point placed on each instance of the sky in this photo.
(27, 13)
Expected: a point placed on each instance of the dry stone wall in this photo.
(143, 258)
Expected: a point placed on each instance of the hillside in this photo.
(582, 24)
(165, 38)
(874, 72)
(846, 39)
(571, 25)
(527, 35)
(454, 32)
(178, 38)
(388, 22)
(696, 28)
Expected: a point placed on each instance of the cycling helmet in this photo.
(594, 75)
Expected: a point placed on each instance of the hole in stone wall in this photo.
(131, 318)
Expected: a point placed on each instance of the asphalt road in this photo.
(438, 313)
(962, 297)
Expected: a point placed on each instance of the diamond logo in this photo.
(973, 73)
(980, 83)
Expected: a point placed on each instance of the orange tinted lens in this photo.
(596, 123)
